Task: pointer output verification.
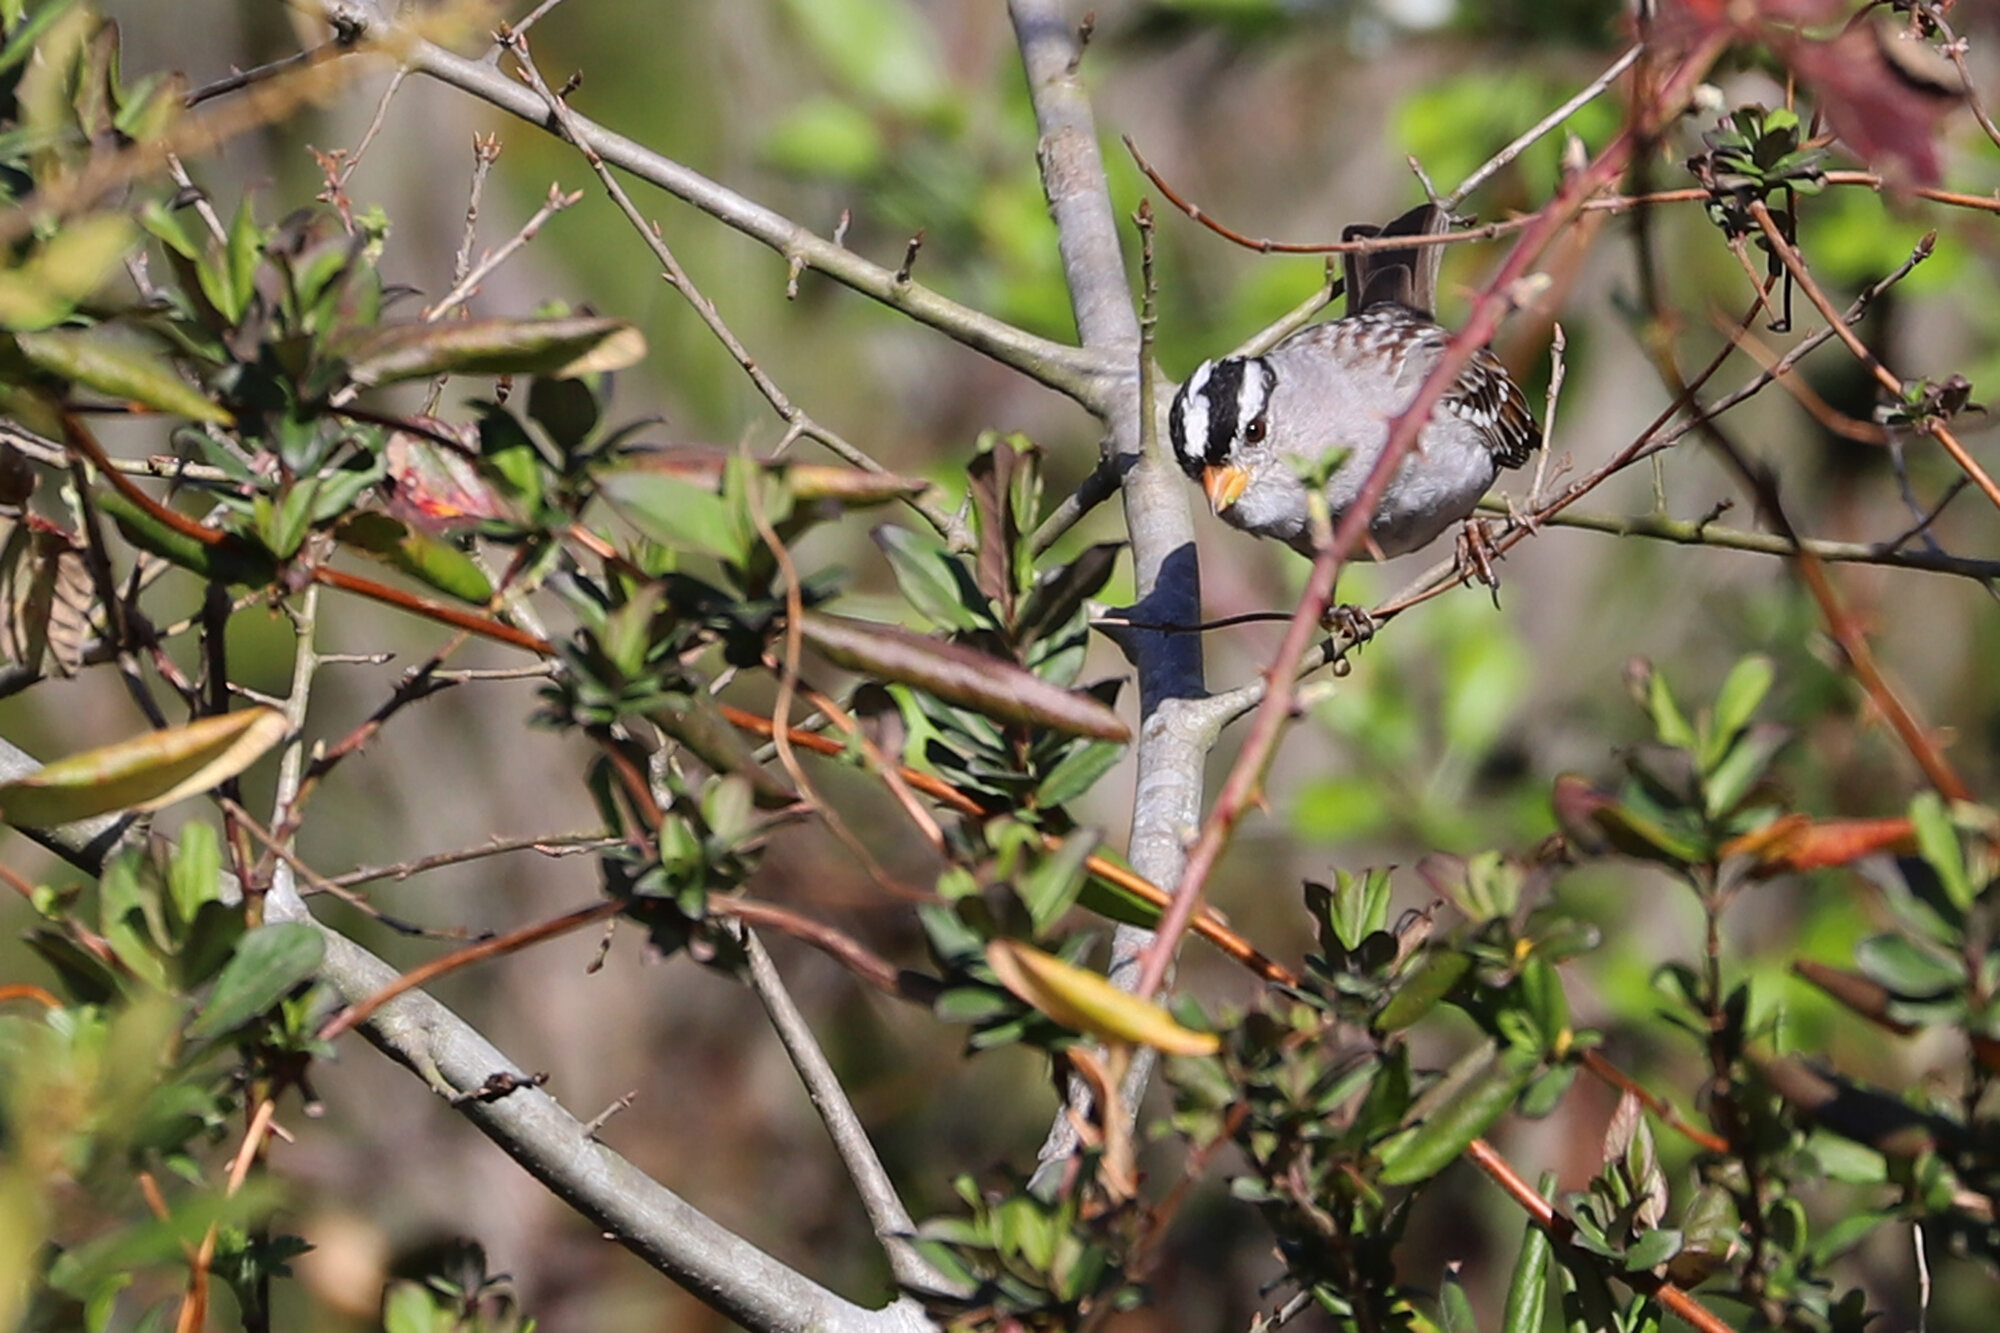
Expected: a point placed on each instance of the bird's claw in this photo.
(1351, 626)
(1473, 560)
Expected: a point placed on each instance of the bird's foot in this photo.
(1351, 626)
(1473, 560)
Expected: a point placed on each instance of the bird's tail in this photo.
(1407, 276)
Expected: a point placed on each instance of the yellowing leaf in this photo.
(144, 773)
(1086, 1002)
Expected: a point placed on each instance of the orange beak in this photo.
(1224, 485)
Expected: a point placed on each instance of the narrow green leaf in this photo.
(1528, 1287)
(246, 247)
(1051, 888)
(1436, 1142)
(1736, 703)
(435, 561)
(232, 560)
(1668, 724)
(269, 961)
(932, 581)
(1438, 971)
(194, 876)
(1077, 773)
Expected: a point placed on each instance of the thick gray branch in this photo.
(1157, 517)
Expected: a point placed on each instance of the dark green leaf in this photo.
(269, 961)
(1528, 1287)
(933, 581)
(1437, 972)
(1435, 1142)
(433, 560)
(1077, 773)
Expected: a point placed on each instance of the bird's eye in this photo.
(1255, 431)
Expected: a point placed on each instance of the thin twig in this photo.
(1888, 379)
(1584, 97)
(886, 1213)
(556, 202)
(552, 844)
(497, 947)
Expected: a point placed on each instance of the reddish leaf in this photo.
(438, 488)
(1860, 995)
(1796, 842)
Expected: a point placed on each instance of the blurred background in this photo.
(1286, 120)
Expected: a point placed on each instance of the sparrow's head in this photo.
(1219, 422)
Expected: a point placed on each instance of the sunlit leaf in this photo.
(144, 773)
(1085, 1002)
(1437, 1140)
(562, 347)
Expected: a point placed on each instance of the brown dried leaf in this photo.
(959, 675)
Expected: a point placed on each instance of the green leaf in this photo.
(567, 410)
(269, 962)
(675, 513)
(1437, 972)
(48, 286)
(1909, 969)
(434, 560)
(1736, 703)
(1528, 1287)
(1668, 723)
(1652, 1249)
(231, 561)
(1077, 773)
(931, 580)
(194, 875)
(1437, 1141)
(1051, 888)
(245, 248)
(97, 360)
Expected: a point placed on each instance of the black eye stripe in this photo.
(1222, 405)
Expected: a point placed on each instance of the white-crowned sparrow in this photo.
(1243, 426)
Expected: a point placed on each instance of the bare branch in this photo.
(1075, 372)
